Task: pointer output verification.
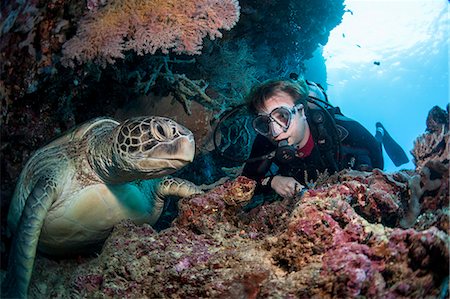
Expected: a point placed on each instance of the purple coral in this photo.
(354, 269)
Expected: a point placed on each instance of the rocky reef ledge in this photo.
(338, 240)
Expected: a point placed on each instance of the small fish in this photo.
(376, 62)
(349, 10)
(343, 35)
(358, 46)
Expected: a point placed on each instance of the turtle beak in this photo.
(181, 149)
(169, 156)
(184, 149)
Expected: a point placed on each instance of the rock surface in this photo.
(338, 240)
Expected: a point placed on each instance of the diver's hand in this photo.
(286, 187)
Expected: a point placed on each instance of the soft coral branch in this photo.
(147, 26)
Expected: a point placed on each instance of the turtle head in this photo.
(148, 147)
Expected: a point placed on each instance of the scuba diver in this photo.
(303, 135)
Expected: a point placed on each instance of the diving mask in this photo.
(280, 116)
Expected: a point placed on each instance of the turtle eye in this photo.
(158, 133)
(160, 130)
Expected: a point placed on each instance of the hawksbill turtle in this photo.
(73, 191)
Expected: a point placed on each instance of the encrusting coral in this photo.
(104, 34)
(434, 144)
(338, 240)
(430, 186)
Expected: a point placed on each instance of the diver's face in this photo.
(298, 127)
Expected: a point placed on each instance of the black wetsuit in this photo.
(358, 149)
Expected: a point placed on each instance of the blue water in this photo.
(410, 40)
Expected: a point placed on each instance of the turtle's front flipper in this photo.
(170, 186)
(26, 237)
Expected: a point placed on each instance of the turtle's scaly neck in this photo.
(102, 158)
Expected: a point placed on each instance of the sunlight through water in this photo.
(388, 61)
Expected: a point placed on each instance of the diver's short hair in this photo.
(298, 90)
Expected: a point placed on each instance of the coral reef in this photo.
(432, 147)
(430, 186)
(324, 244)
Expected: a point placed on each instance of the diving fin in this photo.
(392, 148)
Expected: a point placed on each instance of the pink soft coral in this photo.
(147, 26)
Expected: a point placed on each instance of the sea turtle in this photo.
(75, 189)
